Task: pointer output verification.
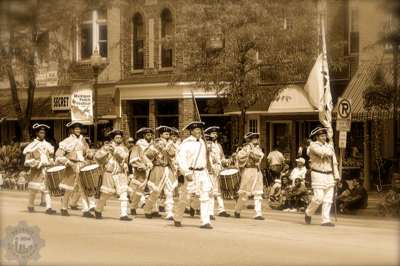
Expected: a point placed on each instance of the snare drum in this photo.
(54, 176)
(90, 177)
(229, 180)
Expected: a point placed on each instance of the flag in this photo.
(196, 113)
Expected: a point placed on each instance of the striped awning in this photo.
(362, 79)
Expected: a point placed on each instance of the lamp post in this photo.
(96, 63)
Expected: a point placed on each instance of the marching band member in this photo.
(145, 136)
(251, 183)
(193, 164)
(324, 173)
(38, 156)
(71, 153)
(161, 177)
(115, 180)
(217, 158)
(140, 166)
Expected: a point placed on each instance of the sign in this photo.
(60, 102)
(82, 104)
(46, 77)
(342, 139)
(343, 122)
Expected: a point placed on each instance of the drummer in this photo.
(38, 155)
(115, 179)
(217, 158)
(73, 152)
(251, 183)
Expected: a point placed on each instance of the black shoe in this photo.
(133, 211)
(187, 211)
(91, 209)
(212, 217)
(87, 214)
(259, 218)
(64, 212)
(177, 224)
(224, 214)
(192, 212)
(125, 218)
(148, 216)
(206, 226)
(170, 218)
(237, 215)
(75, 208)
(307, 219)
(198, 211)
(161, 209)
(42, 204)
(50, 211)
(98, 215)
(328, 224)
(31, 209)
(155, 214)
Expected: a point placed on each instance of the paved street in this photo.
(282, 239)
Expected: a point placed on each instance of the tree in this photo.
(227, 43)
(33, 33)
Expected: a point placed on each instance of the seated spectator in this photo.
(390, 203)
(275, 196)
(21, 181)
(299, 171)
(285, 191)
(343, 190)
(298, 196)
(356, 199)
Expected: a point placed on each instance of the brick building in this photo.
(135, 87)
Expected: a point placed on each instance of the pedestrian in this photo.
(73, 153)
(251, 183)
(193, 164)
(299, 171)
(38, 157)
(324, 175)
(275, 162)
(115, 179)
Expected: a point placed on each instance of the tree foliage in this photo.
(225, 43)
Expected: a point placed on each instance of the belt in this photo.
(160, 164)
(250, 167)
(196, 169)
(322, 172)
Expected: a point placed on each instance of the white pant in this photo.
(32, 196)
(123, 198)
(324, 197)
(220, 204)
(243, 199)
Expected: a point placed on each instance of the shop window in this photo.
(167, 112)
(253, 125)
(93, 34)
(167, 33)
(138, 41)
(140, 114)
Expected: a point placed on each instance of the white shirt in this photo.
(192, 154)
(275, 158)
(298, 172)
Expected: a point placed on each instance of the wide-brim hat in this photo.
(174, 131)
(115, 132)
(209, 130)
(252, 135)
(36, 127)
(162, 129)
(74, 124)
(301, 160)
(194, 124)
(144, 130)
(318, 131)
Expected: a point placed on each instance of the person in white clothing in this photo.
(193, 164)
(299, 171)
(324, 174)
(38, 156)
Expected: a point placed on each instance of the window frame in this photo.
(160, 36)
(133, 69)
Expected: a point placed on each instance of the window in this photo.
(139, 110)
(167, 32)
(253, 125)
(354, 31)
(93, 34)
(138, 42)
(167, 113)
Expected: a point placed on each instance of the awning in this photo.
(292, 100)
(362, 79)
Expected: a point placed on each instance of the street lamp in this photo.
(96, 63)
